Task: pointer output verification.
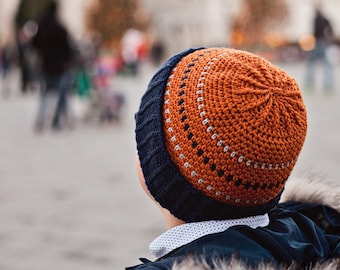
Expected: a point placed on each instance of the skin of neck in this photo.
(170, 220)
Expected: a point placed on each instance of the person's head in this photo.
(218, 133)
(52, 8)
(318, 9)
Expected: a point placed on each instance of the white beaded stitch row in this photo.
(170, 129)
(177, 147)
(205, 121)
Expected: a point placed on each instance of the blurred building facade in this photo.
(180, 24)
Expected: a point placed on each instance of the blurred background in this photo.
(69, 195)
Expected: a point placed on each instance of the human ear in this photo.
(170, 220)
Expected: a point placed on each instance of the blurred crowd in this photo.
(48, 62)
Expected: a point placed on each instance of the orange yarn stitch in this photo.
(234, 125)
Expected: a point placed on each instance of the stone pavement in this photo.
(71, 200)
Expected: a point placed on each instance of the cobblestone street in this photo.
(71, 200)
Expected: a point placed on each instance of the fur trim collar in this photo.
(312, 190)
(196, 264)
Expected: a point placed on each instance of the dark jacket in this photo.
(322, 27)
(300, 234)
(53, 44)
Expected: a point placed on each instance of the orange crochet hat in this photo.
(218, 133)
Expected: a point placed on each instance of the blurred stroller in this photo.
(106, 103)
(110, 106)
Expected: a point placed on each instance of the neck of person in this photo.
(170, 220)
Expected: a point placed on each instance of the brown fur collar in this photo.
(312, 190)
(235, 264)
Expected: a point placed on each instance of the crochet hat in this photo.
(218, 132)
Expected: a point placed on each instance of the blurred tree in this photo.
(30, 10)
(111, 18)
(255, 20)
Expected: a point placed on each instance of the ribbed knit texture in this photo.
(218, 133)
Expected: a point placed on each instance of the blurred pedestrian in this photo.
(8, 62)
(26, 55)
(132, 49)
(54, 47)
(218, 133)
(157, 52)
(4, 67)
(323, 35)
